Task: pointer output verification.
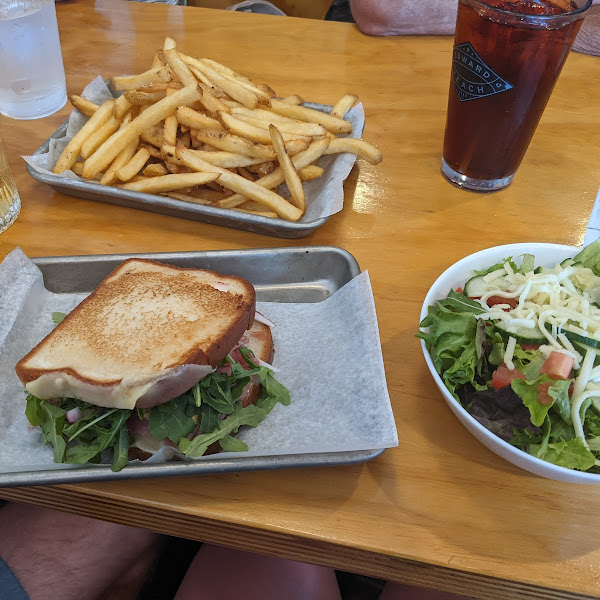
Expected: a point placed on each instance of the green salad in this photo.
(519, 347)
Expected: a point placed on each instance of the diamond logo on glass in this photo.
(472, 77)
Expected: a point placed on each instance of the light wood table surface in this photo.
(440, 509)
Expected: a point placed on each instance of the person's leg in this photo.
(401, 591)
(58, 555)
(218, 573)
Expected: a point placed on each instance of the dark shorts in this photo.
(10, 588)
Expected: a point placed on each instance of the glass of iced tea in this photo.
(10, 203)
(506, 59)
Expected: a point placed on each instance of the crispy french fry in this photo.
(238, 184)
(361, 148)
(262, 169)
(211, 103)
(169, 44)
(134, 82)
(77, 168)
(263, 118)
(263, 97)
(134, 166)
(171, 124)
(250, 131)
(181, 70)
(122, 106)
(333, 124)
(110, 175)
(259, 213)
(99, 136)
(246, 174)
(85, 107)
(231, 87)
(310, 172)
(272, 180)
(292, 178)
(343, 105)
(233, 143)
(157, 62)
(153, 115)
(154, 135)
(209, 195)
(192, 118)
(71, 152)
(184, 140)
(185, 197)
(294, 99)
(226, 160)
(167, 183)
(140, 97)
(154, 170)
(294, 147)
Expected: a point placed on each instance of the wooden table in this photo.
(440, 510)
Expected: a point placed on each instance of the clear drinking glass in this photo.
(507, 57)
(32, 76)
(10, 203)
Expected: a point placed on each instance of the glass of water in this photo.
(32, 76)
(10, 203)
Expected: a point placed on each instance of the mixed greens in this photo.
(519, 348)
(210, 412)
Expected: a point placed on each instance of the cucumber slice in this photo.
(577, 338)
(476, 287)
(523, 335)
(567, 263)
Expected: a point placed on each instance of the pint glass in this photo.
(506, 59)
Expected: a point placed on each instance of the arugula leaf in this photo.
(121, 450)
(250, 415)
(57, 317)
(231, 444)
(170, 420)
(85, 440)
(99, 436)
(50, 419)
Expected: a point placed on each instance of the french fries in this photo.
(197, 131)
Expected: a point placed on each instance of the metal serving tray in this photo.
(171, 206)
(302, 274)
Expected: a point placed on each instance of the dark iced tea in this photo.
(506, 59)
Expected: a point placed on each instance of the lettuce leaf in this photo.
(590, 257)
(452, 341)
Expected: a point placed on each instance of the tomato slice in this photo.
(503, 376)
(493, 300)
(543, 396)
(558, 365)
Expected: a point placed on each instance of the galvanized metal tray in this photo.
(302, 274)
(171, 206)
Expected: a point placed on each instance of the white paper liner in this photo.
(324, 195)
(328, 354)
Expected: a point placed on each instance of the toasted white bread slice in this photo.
(259, 340)
(148, 333)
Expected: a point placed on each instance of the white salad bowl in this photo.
(546, 255)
